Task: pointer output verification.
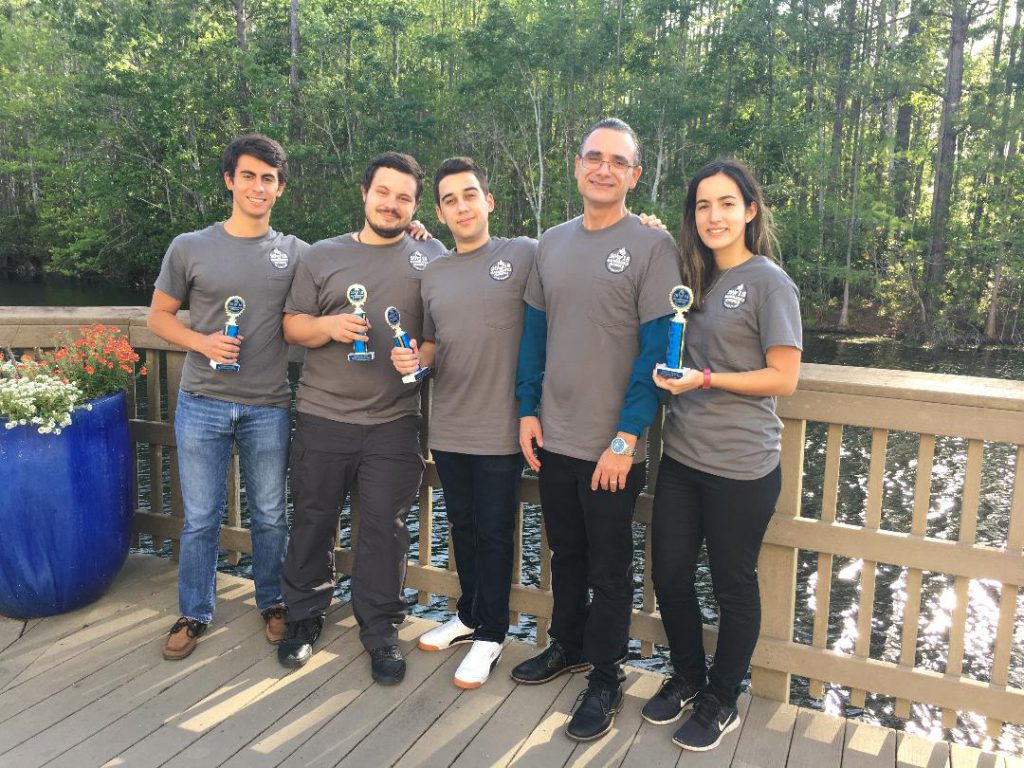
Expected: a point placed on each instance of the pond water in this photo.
(937, 594)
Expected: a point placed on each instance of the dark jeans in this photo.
(691, 507)
(481, 495)
(591, 539)
(328, 459)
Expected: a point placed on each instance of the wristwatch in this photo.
(621, 448)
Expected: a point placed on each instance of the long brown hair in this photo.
(698, 262)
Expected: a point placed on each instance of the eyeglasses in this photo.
(594, 162)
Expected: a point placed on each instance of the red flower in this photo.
(90, 370)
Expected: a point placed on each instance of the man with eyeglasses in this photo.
(595, 325)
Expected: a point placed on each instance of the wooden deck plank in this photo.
(367, 704)
(517, 718)
(91, 687)
(613, 748)
(71, 716)
(725, 754)
(448, 736)
(817, 740)
(407, 722)
(111, 640)
(766, 736)
(10, 631)
(201, 731)
(547, 744)
(868, 745)
(913, 751)
(141, 577)
(652, 747)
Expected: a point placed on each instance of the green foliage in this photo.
(114, 112)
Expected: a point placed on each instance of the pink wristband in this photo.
(707, 379)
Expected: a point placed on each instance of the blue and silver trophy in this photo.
(361, 352)
(681, 298)
(233, 307)
(394, 319)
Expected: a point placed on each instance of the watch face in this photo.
(619, 446)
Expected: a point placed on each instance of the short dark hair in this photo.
(397, 161)
(621, 126)
(455, 165)
(259, 146)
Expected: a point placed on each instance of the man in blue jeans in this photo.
(234, 389)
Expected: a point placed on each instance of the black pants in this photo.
(691, 507)
(591, 539)
(481, 494)
(328, 459)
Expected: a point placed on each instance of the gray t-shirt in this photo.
(473, 309)
(203, 269)
(754, 306)
(360, 392)
(597, 289)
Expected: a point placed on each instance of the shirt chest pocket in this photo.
(277, 288)
(503, 306)
(611, 302)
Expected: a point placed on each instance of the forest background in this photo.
(886, 132)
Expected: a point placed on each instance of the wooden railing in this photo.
(986, 414)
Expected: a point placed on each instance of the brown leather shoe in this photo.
(183, 638)
(277, 625)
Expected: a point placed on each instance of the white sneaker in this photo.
(452, 632)
(476, 667)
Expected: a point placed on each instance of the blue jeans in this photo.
(205, 429)
(481, 494)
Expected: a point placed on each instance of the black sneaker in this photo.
(548, 665)
(297, 646)
(387, 666)
(594, 712)
(708, 724)
(669, 703)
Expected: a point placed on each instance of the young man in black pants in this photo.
(595, 325)
(356, 422)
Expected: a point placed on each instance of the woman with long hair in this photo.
(720, 477)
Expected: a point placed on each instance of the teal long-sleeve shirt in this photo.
(641, 401)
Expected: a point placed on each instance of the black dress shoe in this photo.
(595, 712)
(297, 646)
(387, 665)
(548, 665)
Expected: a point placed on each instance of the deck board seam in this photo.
(160, 692)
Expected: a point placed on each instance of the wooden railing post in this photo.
(777, 565)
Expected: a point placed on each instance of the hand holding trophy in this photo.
(361, 352)
(681, 298)
(394, 318)
(233, 307)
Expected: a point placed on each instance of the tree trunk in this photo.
(244, 90)
(295, 131)
(945, 161)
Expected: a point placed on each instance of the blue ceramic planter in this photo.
(65, 510)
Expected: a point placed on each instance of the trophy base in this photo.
(671, 373)
(360, 357)
(418, 375)
(226, 367)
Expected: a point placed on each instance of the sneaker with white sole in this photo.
(452, 632)
(477, 665)
(710, 722)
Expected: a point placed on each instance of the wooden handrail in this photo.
(979, 411)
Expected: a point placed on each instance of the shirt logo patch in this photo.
(735, 296)
(279, 258)
(417, 261)
(618, 260)
(501, 270)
